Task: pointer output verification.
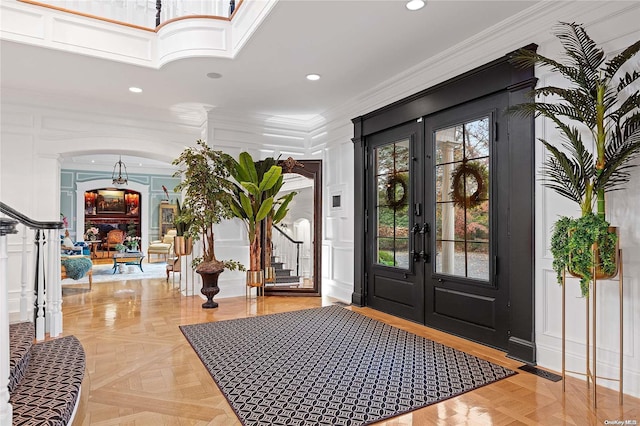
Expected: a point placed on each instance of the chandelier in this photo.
(120, 180)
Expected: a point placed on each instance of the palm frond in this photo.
(614, 65)
(524, 58)
(563, 175)
(583, 51)
(583, 102)
(573, 143)
(629, 104)
(623, 148)
(627, 79)
(553, 110)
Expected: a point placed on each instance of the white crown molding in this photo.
(532, 25)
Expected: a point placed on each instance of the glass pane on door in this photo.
(392, 206)
(462, 201)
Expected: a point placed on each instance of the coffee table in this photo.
(128, 258)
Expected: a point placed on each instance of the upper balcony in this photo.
(149, 33)
(148, 14)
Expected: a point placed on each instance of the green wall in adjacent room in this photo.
(68, 194)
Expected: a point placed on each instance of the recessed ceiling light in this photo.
(415, 4)
(313, 77)
(135, 89)
(93, 161)
(214, 75)
(139, 164)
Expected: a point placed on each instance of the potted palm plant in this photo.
(206, 189)
(599, 98)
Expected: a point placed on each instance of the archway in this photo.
(83, 187)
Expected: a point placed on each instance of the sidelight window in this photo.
(392, 211)
(462, 172)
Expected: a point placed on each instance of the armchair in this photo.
(174, 265)
(162, 247)
(115, 236)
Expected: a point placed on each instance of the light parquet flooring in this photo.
(142, 371)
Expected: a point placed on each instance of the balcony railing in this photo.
(143, 13)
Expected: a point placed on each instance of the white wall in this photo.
(615, 26)
(37, 131)
(613, 35)
(33, 134)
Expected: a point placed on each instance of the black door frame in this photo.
(494, 77)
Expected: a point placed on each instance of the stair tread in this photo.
(51, 386)
(287, 279)
(20, 342)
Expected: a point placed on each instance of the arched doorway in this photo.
(91, 185)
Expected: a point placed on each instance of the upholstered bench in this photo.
(162, 247)
(76, 267)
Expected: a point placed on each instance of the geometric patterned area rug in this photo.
(330, 366)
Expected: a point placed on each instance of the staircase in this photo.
(44, 378)
(40, 375)
(284, 276)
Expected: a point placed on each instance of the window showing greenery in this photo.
(462, 199)
(392, 206)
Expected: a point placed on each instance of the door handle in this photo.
(424, 230)
(414, 231)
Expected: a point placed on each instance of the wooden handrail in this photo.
(287, 236)
(33, 224)
(87, 15)
(126, 24)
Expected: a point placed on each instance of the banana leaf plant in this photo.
(182, 220)
(252, 199)
(603, 97)
(279, 209)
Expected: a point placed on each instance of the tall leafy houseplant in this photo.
(183, 243)
(279, 209)
(251, 200)
(206, 189)
(600, 97)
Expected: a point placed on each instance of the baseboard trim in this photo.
(522, 350)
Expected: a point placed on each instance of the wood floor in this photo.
(141, 370)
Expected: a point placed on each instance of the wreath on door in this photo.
(461, 173)
(397, 191)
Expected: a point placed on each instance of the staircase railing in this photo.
(287, 248)
(7, 226)
(145, 13)
(46, 291)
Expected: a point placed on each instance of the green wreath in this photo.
(392, 194)
(479, 172)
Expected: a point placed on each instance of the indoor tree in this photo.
(204, 172)
(603, 98)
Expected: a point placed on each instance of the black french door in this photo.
(436, 221)
(394, 274)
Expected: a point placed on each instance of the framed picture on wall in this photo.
(110, 201)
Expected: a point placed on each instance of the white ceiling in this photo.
(353, 45)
